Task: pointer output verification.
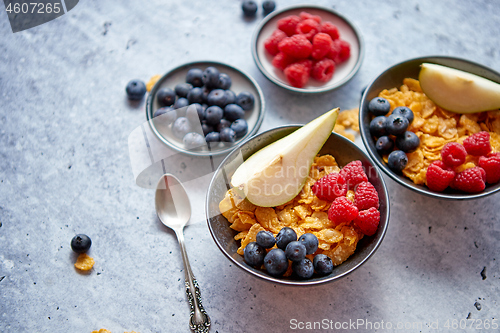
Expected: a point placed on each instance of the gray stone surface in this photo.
(65, 169)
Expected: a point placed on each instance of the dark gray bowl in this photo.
(344, 152)
(393, 77)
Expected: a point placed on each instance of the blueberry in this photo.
(217, 97)
(223, 124)
(295, 251)
(384, 145)
(254, 254)
(136, 89)
(245, 100)
(240, 127)
(192, 114)
(227, 135)
(304, 268)
(285, 236)
(204, 96)
(195, 95)
(81, 243)
(276, 262)
(396, 124)
(230, 97)
(165, 97)
(323, 264)
(211, 77)
(200, 109)
(265, 239)
(405, 112)
(310, 241)
(194, 77)
(181, 127)
(169, 115)
(379, 106)
(249, 8)
(181, 102)
(268, 6)
(224, 81)
(397, 160)
(212, 137)
(193, 140)
(213, 115)
(233, 112)
(182, 89)
(377, 126)
(407, 142)
(206, 128)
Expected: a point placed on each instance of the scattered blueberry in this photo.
(192, 114)
(407, 142)
(206, 128)
(396, 124)
(384, 145)
(268, 6)
(285, 236)
(227, 135)
(181, 102)
(195, 95)
(182, 89)
(323, 264)
(379, 106)
(193, 140)
(304, 268)
(377, 126)
(169, 114)
(233, 112)
(212, 137)
(276, 262)
(165, 97)
(217, 97)
(195, 77)
(245, 100)
(213, 115)
(81, 243)
(265, 239)
(224, 123)
(136, 89)
(405, 112)
(249, 8)
(181, 127)
(397, 160)
(295, 251)
(254, 254)
(230, 97)
(224, 81)
(240, 127)
(211, 77)
(310, 241)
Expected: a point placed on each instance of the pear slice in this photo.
(458, 91)
(276, 174)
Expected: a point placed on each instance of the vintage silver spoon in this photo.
(174, 210)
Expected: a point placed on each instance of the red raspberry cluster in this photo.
(445, 173)
(303, 46)
(363, 212)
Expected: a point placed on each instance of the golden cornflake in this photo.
(84, 262)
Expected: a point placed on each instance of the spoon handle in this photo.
(199, 321)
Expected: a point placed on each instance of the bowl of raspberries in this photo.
(205, 108)
(307, 49)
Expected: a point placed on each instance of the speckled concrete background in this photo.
(64, 169)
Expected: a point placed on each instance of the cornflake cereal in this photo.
(304, 214)
(347, 119)
(435, 127)
(84, 262)
(152, 81)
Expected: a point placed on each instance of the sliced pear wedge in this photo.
(458, 91)
(276, 174)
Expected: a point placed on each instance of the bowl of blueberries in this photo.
(205, 108)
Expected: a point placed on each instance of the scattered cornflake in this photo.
(84, 262)
(347, 119)
(152, 81)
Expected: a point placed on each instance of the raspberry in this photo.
(297, 74)
(367, 221)
(288, 24)
(342, 210)
(307, 28)
(365, 196)
(297, 46)
(306, 15)
(354, 174)
(271, 43)
(470, 180)
(340, 51)
(330, 187)
(323, 70)
(478, 144)
(322, 44)
(281, 61)
(308, 64)
(491, 165)
(330, 29)
(453, 154)
(439, 176)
